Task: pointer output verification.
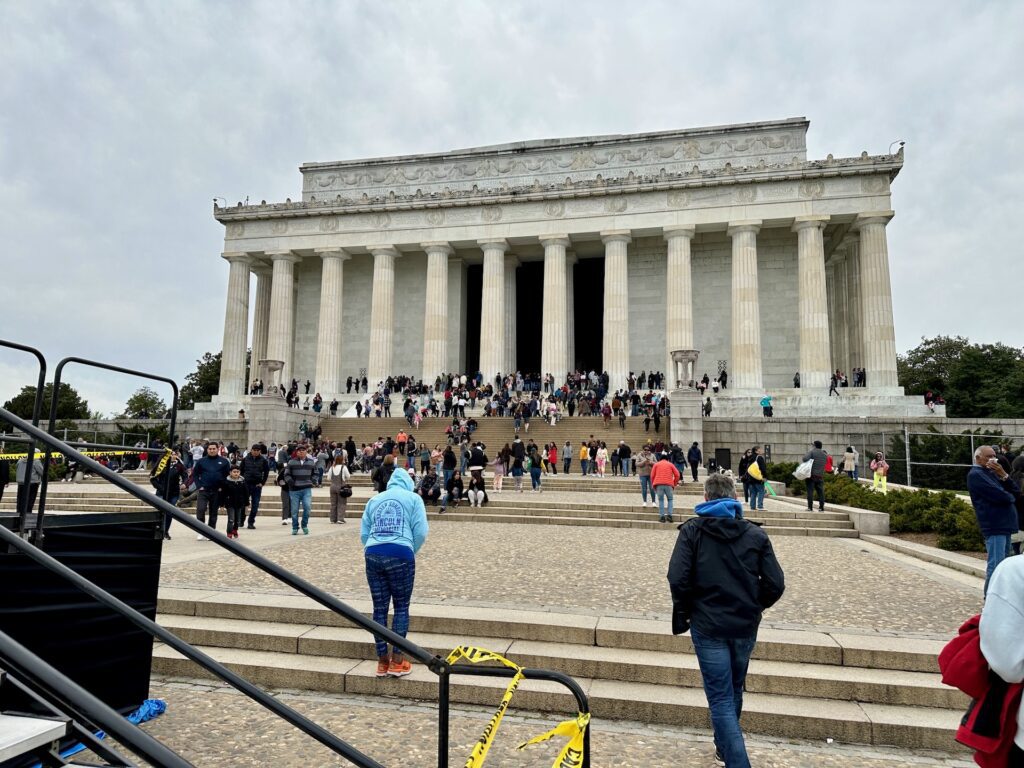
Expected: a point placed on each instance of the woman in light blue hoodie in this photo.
(393, 530)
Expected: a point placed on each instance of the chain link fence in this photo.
(926, 459)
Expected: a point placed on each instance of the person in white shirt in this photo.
(1002, 630)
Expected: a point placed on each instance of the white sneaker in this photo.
(284, 522)
(200, 537)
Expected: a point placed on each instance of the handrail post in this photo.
(25, 507)
(443, 713)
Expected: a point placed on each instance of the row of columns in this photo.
(864, 312)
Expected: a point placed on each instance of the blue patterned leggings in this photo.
(390, 578)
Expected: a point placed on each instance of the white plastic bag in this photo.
(803, 471)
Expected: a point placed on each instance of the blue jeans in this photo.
(255, 494)
(625, 467)
(565, 465)
(756, 496)
(998, 549)
(305, 498)
(584, 465)
(447, 475)
(663, 492)
(645, 487)
(723, 667)
(390, 578)
(535, 477)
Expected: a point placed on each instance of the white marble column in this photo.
(841, 315)
(382, 315)
(458, 315)
(745, 366)
(435, 318)
(329, 336)
(260, 322)
(492, 309)
(815, 351)
(282, 313)
(879, 335)
(571, 260)
(854, 312)
(554, 332)
(511, 264)
(678, 295)
(236, 325)
(615, 341)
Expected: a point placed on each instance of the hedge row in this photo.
(909, 511)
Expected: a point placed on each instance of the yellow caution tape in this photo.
(39, 454)
(163, 462)
(571, 755)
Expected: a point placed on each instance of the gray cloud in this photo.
(122, 120)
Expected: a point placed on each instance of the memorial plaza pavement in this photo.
(833, 584)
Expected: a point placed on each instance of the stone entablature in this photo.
(842, 187)
(552, 161)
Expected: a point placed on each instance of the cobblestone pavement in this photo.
(213, 725)
(831, 583)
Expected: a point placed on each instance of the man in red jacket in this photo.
(664, 478)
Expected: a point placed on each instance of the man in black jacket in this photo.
(255, 471)
(723, 574)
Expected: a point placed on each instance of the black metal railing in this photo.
(64, 698)
(436, 664)
(25, 503)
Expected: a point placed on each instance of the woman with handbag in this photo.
(338, 476)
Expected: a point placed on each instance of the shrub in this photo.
(919, 511)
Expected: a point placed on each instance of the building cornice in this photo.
(864, 165)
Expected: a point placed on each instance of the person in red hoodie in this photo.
(1001, 631)
(664, 478)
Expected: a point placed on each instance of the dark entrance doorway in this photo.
(474, 301)
(529, 315)
(588, 304)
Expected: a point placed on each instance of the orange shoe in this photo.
(400, 667)
(383, 666)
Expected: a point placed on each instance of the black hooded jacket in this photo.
(723, 574)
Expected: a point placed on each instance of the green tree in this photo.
(70, 404)
(144, 404)
(976, 380)
(929, 363)
(203, 383)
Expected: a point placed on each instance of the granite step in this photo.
(765, 713)
(824, 681)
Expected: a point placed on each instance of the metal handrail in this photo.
(435, 663)
(37, 408)
(15, 656)
(53, 419)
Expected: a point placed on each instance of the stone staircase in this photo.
(864, 689)
(553, 507)
(495, 432)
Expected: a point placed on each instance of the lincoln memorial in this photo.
(598, 252)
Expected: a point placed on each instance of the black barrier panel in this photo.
(723, 458)
(94, 646)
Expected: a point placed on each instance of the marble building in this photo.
(603, 252)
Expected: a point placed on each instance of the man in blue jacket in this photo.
(209, 475)
(723, 575)
(993, 494)
(394, 528)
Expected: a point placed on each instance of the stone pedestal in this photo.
(686, 422)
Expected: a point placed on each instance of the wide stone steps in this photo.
(853, 688)
(534, 511)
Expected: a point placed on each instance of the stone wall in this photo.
(790, 438)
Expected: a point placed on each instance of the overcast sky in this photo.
(121, 121)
